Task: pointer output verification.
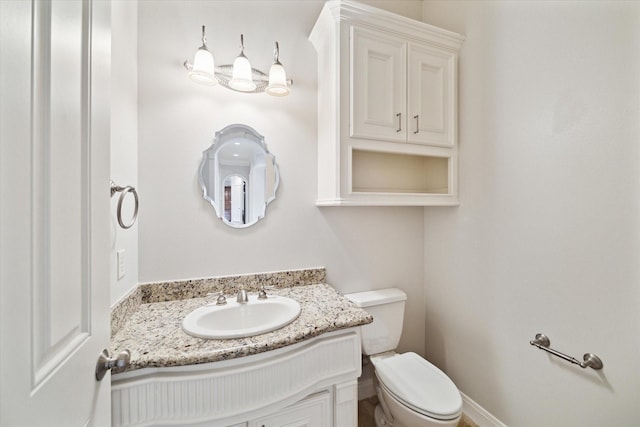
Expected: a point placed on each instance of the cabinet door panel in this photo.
(378, 86)
(314, 411)
(431, 97)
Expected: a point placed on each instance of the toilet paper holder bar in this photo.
(590, 360)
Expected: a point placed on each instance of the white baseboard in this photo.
(478, 414)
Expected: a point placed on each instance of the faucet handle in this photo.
(262, 294)
(221, 300)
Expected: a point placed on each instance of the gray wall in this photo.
(546, 236)
(124, 139)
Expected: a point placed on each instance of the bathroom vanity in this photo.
(302, 374)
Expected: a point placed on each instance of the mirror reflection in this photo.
(238, 175)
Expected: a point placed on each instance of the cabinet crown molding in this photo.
(369, 16)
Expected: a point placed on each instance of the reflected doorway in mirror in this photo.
(238, 176)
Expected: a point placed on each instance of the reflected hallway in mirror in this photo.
(239, 176)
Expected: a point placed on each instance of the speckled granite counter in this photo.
(154, 336)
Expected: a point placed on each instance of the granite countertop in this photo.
(154, 336)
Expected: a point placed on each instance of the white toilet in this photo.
(412, 392)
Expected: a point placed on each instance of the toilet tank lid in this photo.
(380, 296)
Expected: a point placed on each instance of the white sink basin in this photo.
(235, 320)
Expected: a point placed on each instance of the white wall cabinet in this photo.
(379, 76)
(387, 108)
(432, 103)
(402, 91)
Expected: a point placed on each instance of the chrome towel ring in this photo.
(124, 190)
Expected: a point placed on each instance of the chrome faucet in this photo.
(242, 296)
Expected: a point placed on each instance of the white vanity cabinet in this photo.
(312, 383)
(387, 108)
(314, 411)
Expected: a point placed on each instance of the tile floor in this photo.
(367, 406)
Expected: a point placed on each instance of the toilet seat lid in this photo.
(420, 385)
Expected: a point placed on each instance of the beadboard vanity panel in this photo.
(243, 389)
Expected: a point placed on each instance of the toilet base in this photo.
(401, 416)
(380, 419)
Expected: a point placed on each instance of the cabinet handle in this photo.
(399, 116)
(417, 123)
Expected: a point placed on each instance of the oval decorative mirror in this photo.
(238, 175)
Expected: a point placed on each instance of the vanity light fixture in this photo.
(277, 76)
(240, 76)
(241, 80)
(203, 71)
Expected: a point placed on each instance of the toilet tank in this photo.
(387, 308)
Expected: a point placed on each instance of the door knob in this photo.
(106, 363)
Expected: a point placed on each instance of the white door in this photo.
(378, 85)
(431, 96)
(54, 215)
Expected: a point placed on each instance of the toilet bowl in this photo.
(415, 392)
(412, 392)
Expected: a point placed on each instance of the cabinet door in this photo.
(314, 411)
(432, 96)
(378, 85)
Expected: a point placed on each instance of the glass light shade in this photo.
(242, 73)
(203, 70)
(277, 81)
